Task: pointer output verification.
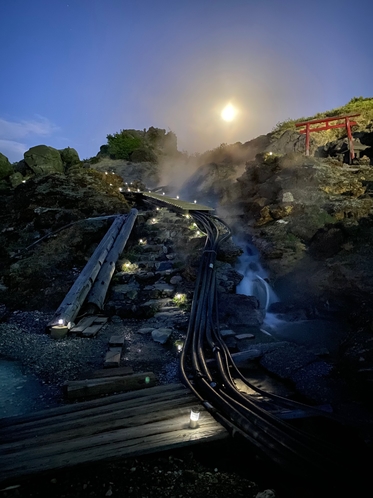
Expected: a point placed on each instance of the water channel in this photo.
(317, 334)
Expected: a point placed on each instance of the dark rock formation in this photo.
(6, 168)
(290, 141)
(43, 159)
(41, 277)
(69, 157)
(236, 309)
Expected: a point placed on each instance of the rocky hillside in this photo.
(311, 218)
(40, 206)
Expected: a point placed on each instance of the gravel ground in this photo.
(173, 474)
(50, 362)
(207, 472)
(53, 362)
(176, 475)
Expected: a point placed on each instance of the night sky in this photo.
(73, 71)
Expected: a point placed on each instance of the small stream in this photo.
(317, 334)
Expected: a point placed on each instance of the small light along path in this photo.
(119, 426)
(175, 202)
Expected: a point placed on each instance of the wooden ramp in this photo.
(175, 202)
(119, 426)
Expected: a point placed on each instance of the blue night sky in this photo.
(73, 71)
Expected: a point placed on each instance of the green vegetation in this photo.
(293, 243)
(122, 144)
(361, 105)
(181, 301)
(128, 267)
(321, 218)
(138, 146)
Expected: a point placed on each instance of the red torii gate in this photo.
(327, 126)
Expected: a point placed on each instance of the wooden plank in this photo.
(185, 205)
(167, 391)
(116, 340)
(83, 324)
(77, 389)
(129, 436)
(176, 420)
(107, 422)
(70, 306)
(153, 437)
(101, 319)
(92, 330)
(36, 428)
(99, 289)
(112, 358)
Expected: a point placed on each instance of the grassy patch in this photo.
(361, 105)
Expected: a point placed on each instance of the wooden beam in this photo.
(70, 306)
(152, 436)
(92, 330)
(98, 292)
(83, 324)
(86, 409)
(86, 388)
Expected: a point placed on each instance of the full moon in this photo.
(228, 113)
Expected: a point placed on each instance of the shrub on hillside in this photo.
(140, 146)
(122, 144)
(357, 105)
(143, 154)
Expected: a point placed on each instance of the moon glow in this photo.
(228, 113)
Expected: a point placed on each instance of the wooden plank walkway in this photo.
(119, 426)
(184, 205)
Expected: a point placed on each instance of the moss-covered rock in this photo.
(69, 157)
(43, 159)
(15, 179)
(6, 168)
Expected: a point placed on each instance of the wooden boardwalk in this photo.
(119, 426)
(183, 205)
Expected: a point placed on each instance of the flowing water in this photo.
(319, 334)
(254, 283)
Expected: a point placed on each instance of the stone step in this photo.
(112, 358)
(168, 314)
(169, 308)
(116, 340)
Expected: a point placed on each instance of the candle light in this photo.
(194, 417)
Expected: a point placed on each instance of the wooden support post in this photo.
(307, 139)
(98, 292)
(325, 122)
(350, 140)
(70, 306)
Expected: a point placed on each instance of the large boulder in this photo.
(291, 141)
(69, 157)
(43, 159)
(6, 169)
(237, 309)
